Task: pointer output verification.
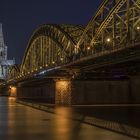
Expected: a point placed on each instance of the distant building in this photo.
(4, 63)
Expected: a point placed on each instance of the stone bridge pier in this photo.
(68, 92)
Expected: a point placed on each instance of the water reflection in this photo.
(63, 126)
(63, 123)
(69, 123)
(11, 101)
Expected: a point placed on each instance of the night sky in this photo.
(21, 17)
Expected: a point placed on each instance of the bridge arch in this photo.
(50, 45)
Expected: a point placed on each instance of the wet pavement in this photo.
(19, 122)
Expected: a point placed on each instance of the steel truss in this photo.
(116, 25)
(50, 45)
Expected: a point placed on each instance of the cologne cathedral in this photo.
(4, 63)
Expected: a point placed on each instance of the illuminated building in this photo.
(4, 63)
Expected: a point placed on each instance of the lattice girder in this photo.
(50, 45)
(119, 28)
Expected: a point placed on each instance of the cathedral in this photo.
(4, 63)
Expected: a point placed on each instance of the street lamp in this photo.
(108, 40)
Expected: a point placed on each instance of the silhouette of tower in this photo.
(4, 63)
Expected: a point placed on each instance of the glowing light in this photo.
(88, 48)
(63, 91)
(12, 90)
(61, 58)
(108, 40)
(53, 62)
(40, 67)
(138, 27)
(46, 65)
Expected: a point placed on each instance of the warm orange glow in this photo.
(63, 92)
(62, 84)
(88, 48)
(138, 27)
(63, 125)
(13, 91)
(108, 40)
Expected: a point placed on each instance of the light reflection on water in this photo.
(17, 120)
(63, 125)
(69, 128)
(11, 100)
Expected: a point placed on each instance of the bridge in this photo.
(73, 64)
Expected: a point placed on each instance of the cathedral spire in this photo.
(1, 35)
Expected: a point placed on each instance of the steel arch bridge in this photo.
(115, 27)
(50, 45)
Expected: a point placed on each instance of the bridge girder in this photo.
(115, 25)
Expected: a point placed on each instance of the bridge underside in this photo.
(66, 91)
(124, 62)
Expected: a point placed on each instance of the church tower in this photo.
(4, 63)
(3, 47)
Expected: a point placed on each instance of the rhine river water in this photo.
(20, 122)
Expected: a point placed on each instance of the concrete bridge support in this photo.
(67, 92)
(63, 92)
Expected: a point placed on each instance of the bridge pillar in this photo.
(63, 92)
(12, 90)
